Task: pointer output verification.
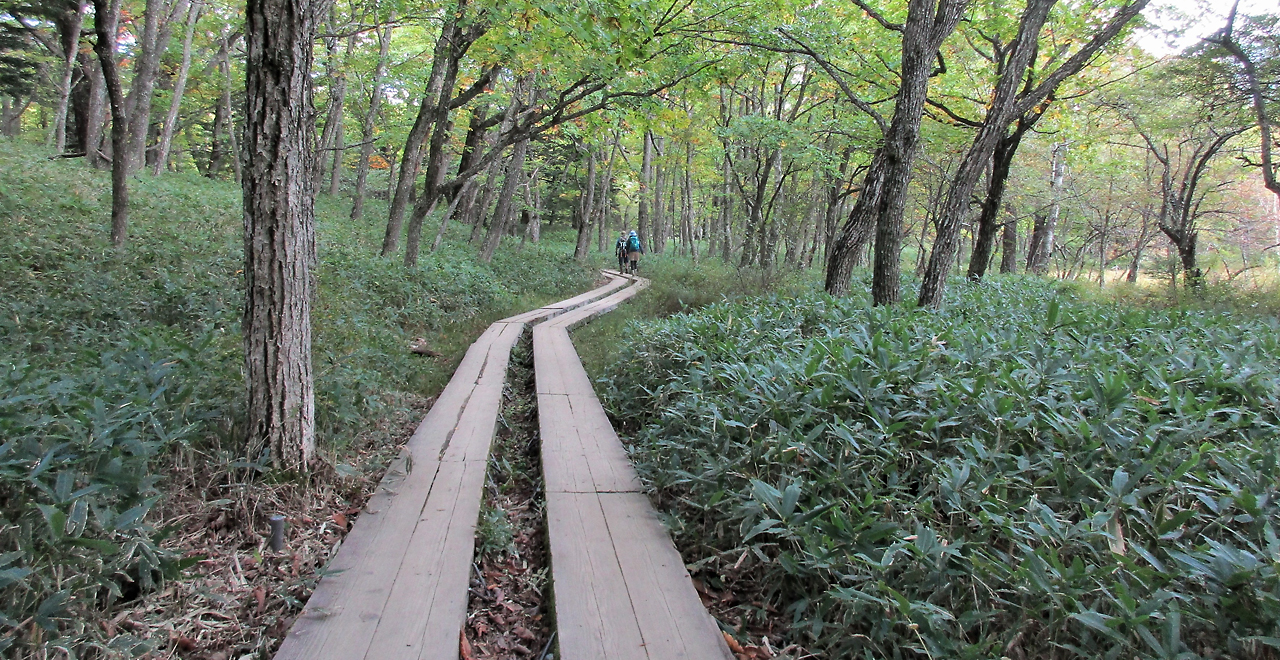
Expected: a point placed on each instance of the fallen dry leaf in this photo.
(464, 647)
(733, 643)
(260, 595)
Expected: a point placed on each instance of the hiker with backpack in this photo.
(620, 251)
(634, 250)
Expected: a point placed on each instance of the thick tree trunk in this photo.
(179, 88)
(106, 18)
(370, 118)
(279, 236)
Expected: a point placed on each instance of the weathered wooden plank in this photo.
(611, 469)
(340, 616)
(594, 619)
(551, 351)
(431, 584)
(672, 620)
(564, 462)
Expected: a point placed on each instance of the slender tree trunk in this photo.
(1042, 241)
(370, 118)
(179, 88)
(1001, 162)
(279, 236)
(980, 154)
(1009, 247)
(480, 212)
(232, 142)
(586, 210)
(333, 116)
(884, 191)
(70, 25)
(448, 214)
(439, 91)
(106, 17)
(502, 215)
(646, 177)
(606, 187)
(160, 15)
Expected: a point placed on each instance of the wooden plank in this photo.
(340, 616)
(551, 351)
(431, 585)
(542, 313)
(611, 469)
(594, 619)
(564, 464)
(672, 620)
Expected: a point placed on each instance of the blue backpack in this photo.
(633, 243)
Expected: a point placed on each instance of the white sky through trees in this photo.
(1177, 24)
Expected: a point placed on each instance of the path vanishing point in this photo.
(397, 588)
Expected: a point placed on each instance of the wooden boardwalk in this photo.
(397, 588)
(621, 589)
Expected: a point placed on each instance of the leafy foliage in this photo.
(1026, 474)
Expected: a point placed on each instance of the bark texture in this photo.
(279, 229)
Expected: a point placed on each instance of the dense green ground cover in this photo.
(1028, 473)
(118, 368)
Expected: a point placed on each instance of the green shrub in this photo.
(1023, 474)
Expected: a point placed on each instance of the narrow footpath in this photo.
(397, 588)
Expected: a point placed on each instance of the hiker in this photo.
(634, 250)
(620, 250)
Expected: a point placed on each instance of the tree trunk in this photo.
(502, 215)
(106, 18)
(884, 191)
(366, 134)
(432, 112)
(1009, 247)
(657, 218)
(160, 15)
(179, 88)
(69, 26)
(1001, 162)
(642, 195)
(999, 114)
(279, 236)
(1042, 241)
(606, 188)
(586, 210)
(333, 116)
(232, 142)
(479, 212)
